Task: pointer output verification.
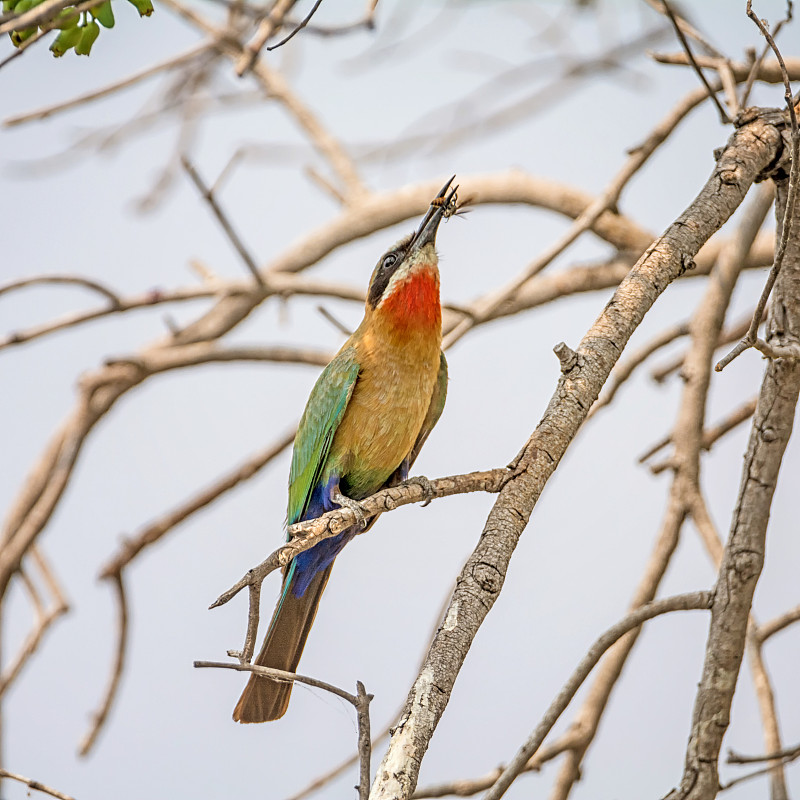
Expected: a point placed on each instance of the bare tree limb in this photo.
(327, 777)
(778, 624)
(638, 156)
(100, 716)
(44, 617)
(789, 218)
(171, 63)
(208, 195)
(743, 557)
(282, 284)
(723, 116)
(684, 602)
(789, 752)
(269, 25)
(626, 368)
(37, 786)
(99, 392)
(687, 435)
(304, 535)
(157, 529)
(298, 27)
(750, 149)
(360, 701)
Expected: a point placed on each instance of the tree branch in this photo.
(744, 553)
(749, 151)
(37, 786)
(683, 602)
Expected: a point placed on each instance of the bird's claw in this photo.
(428, 492)
(354, 506)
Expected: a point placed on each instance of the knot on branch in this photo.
(487, 577)
(566, 356)
(769, 435)
(746, 564)
(687, 263)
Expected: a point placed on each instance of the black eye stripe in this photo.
(386, 267)
(389, 264)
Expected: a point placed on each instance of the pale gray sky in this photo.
(171, 734)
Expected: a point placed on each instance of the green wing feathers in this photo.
(321, 418)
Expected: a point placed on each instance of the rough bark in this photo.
(749, 151)
(743, 558)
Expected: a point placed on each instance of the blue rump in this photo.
(310, 562)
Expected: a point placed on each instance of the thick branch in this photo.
(749, 151)
(744, 552)
(704, 328)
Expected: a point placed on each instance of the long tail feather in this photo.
(265, 699)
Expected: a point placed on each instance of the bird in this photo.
(366, 419)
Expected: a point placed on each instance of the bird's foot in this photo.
(353, 505)
(428, 492)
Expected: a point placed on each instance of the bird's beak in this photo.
(426, 233)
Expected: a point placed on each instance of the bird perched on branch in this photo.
(368, 416)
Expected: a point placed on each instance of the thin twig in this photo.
(44, 617)
(304, 535)
(299, 27)
(689, 30)
(751, 337)
(334, 773)
(101, 715)
(35, 785)
(626, 368)
(208, 196)
(723, 115)
(757, 773)
(710, 436)
(271, 23)
(156, 530)
(340, 326)
(683, 602)
(772, 627)
(760, 60)
(69, 280)
(727, 336)
(131, 80)
(364, 741)
(281, 676)
(788, 753)
(773, 351)
(360, 701)
(276, 283)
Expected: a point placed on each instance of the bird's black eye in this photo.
(383, 274)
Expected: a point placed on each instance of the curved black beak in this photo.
(426, 232)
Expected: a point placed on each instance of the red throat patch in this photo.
(414, 302)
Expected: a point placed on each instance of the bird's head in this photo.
(405, 282)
